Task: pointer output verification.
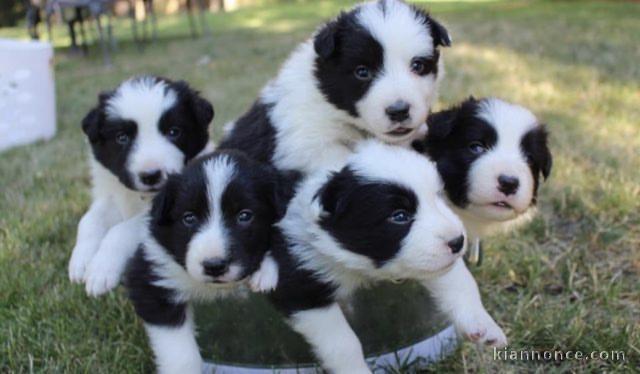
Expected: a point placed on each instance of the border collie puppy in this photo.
(371, 221)
(371, 72)
(490, 154)
(209, 230)
(139, 133)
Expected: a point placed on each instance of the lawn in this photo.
(567, 281)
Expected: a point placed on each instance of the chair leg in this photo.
(33, 19)
(134, 23)
(145, 23)
(49, 28)
(192, 25)
(150, 11)
(202, 12)
(84, 43)
(113, 43)
(72, 34)
(105, 50)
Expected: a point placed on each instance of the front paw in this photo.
(479, 327)
(266, 278)
(80, 259)
(102, 275)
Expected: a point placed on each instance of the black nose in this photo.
(456, 244)
(398, 111)
(508, 185)
(150, 178)
(215, 267)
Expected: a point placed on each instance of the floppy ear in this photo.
(281, 189)
(441, 123)
(334, 194)
(91, 125)
(440, 34)
(419, 146)
(104, 96)
(546, 159)
(164, 200)
(326, 40)
(536, 147)
(201, 108)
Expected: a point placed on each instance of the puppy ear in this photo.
(163, 202)
(419, 146)
(535, 145)
(546, 159)
(281, 189)
(326, 40)
(334, 194)
(201, 108)
(440, 34)
(546, 167)
(441, 123)
(104, 96)
(91, 125)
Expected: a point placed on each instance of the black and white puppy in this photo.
(144, 130)
(371, 72)
(209, 229)
(491, 155)
(381, 217)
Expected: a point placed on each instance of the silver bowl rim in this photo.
(427, 351)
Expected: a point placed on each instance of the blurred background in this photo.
(566, 281)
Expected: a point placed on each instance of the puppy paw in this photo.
(266, 278)
(102, 275)
(481, 328)
(80, 259)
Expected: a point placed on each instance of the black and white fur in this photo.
(209, 230)
(491, 155)
(144, 130)
(371, 72)
(380, 217)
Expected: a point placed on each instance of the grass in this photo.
(567, 281)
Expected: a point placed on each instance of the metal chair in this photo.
(202, 8)
(150, 13)
(33, 18)
(96, 9)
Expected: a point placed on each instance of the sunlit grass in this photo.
(568, 280)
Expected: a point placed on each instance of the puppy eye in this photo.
(418, 66)
(122, 138)
(363, 73)
(189, 219)
(174, 132)
(245, 216)
(400, 217)
(422, 66)
(477, 148)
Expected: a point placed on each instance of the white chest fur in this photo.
(107, 186)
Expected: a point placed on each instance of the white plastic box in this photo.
(27, 93)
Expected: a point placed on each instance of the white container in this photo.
(27, 93)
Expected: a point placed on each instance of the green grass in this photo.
(566, 281)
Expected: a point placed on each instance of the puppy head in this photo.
(387, 216)
(216, 217)
(490, 154)
(146, 129)
(380, 63)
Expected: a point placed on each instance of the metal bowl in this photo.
(397, 324)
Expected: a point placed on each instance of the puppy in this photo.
(380, 217)
(371, 72)
(491, 155)
(209, 229)
(144, 130)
